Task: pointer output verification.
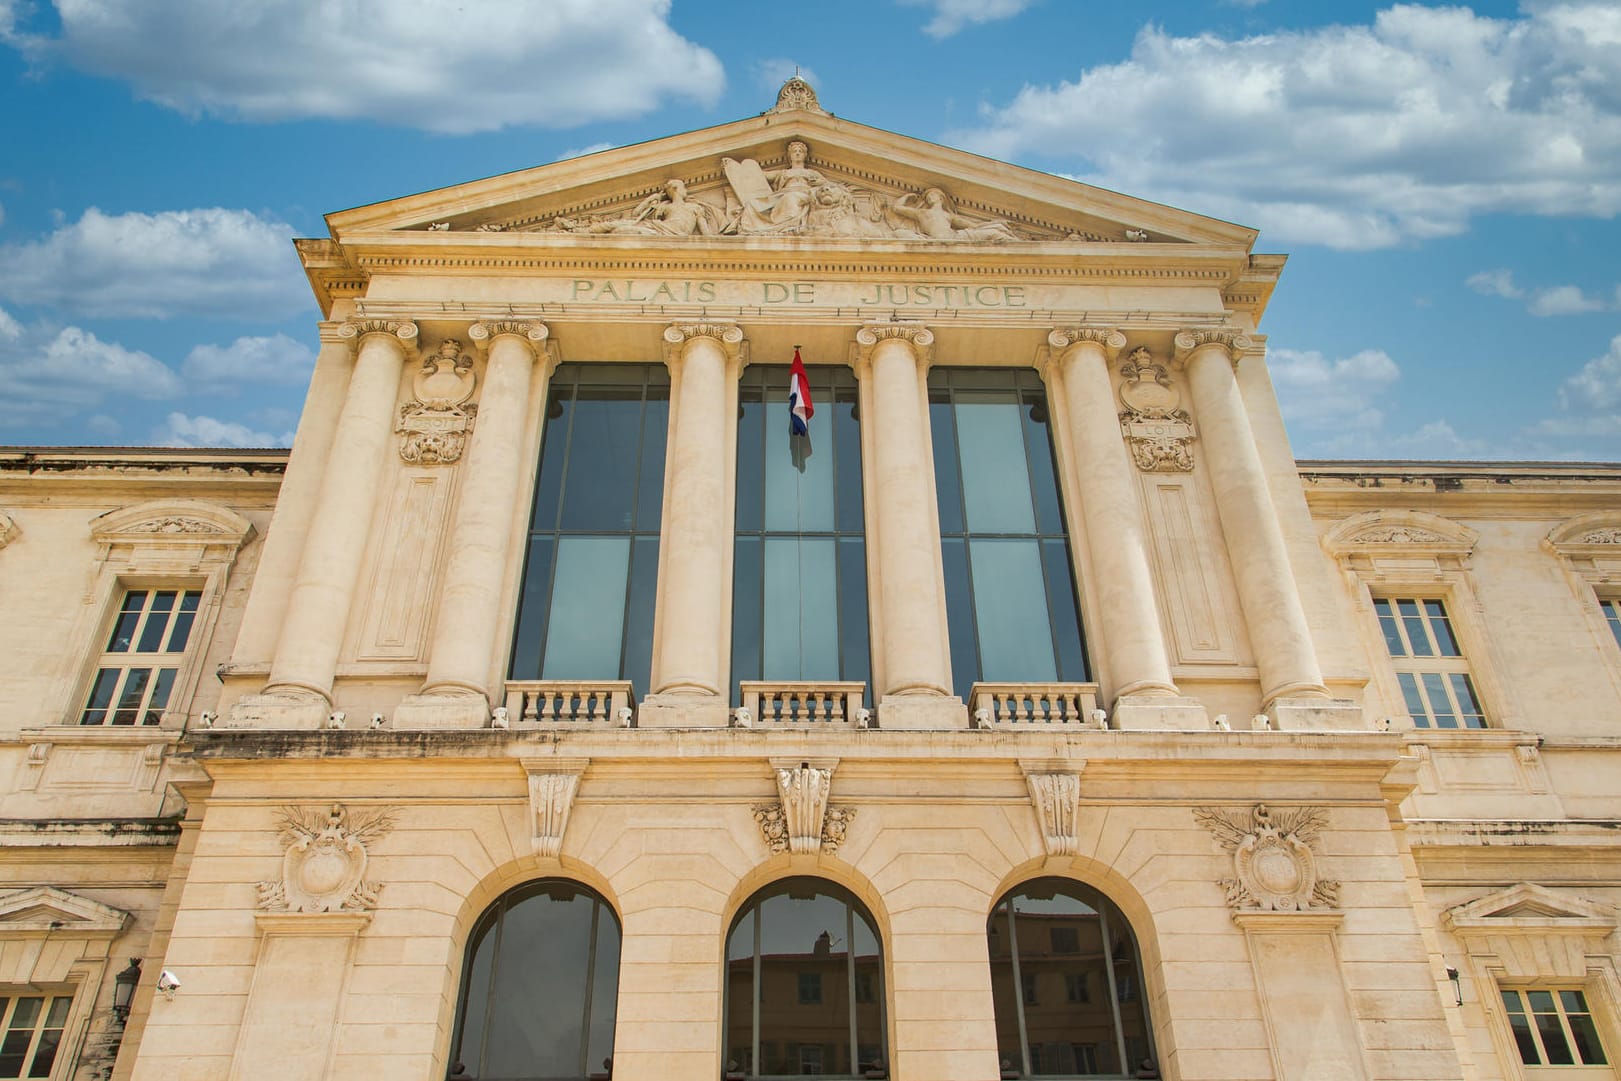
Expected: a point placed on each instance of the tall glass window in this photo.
(804, 985)
(539, 987)
(586, 609)
(1067, 984)
(1010, 592)
(799, 598)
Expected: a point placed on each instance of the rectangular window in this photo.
(1075, 989)
(1010, 589)
(586, 606)
(1553, 1027)
(810, 988)
(145, 647)
(1028, 980)
(31, 1028)
(1432, 671)
(799, 599)
(1612, 617)
(1065, 939)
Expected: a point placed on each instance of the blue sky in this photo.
(1445, 179)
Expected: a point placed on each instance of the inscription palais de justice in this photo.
(900, 294)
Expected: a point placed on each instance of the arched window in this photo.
(539, 987)
(1067, 984)
(804, 985)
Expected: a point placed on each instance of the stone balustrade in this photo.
(604, 702)
(773, 703)
(1030, 705)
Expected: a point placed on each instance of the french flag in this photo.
(800, 409)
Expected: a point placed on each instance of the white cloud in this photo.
(582, 151)
(1564, 300)
(1438, 439)
(276, 359)
(440, 65)
(1598, 385)
(211, 261)
(1352, 136)
(1331, 404)
(181, 430)
(951, 16)
(51, 374)
(1495, 283)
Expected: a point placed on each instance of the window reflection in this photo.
(1065, 976)
(804, 985)
(540, 986)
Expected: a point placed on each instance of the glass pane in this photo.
(798, 487)
(182, 622)
(1588, 1049)
(854, 660)
(644, 576)
(129, 700)
(599, 490)
(1554, 1043)
(1065, 620)
(947, 484)
(750, 462)
(124, 626)
(13, 1049)
(586, 624)
(553, 456)
(1521, 1028)
(533, 605)
(160, 695)
(801, 628)
(1442, 629)
(157, 621)
(995, 478)
(740, 996)
(476, 999)
(45, 1053)
(1612, 616)
(57, 1015)
(1039, 451)
(1010, 606)
(747, 610)
(847, 458)
(536, 1011)
(650, 477)
(1387, 626)
(604, 991)
(1464, 692)
(1415, 701)
(1414, 624)
(1441, 709)
(959, 616)
(101, 695)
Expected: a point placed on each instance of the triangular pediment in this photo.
(1529, 905)
(46, 909)
(856, 185)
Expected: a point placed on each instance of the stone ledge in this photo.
(88, 832)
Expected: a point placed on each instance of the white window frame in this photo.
(1546, 1069)
(168, 544)
(1588, 548)
(1409, 553)
(1437, 663)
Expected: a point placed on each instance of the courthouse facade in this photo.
(554, 711)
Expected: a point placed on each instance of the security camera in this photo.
(168, 983)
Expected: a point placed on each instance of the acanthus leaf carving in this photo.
(1274, 861)
(551, 798)
(433, 426)
(1160, 432)
(324, 866)
(1056, 798)
(801, 821)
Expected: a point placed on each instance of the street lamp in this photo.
(124, 989)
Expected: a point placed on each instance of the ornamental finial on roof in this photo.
(796, 93)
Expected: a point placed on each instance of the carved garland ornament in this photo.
(802, 821)
(1602, 536)
(1274, 865)
(1158, 428)
(1397, 535)
(324, 869)
(435, 423)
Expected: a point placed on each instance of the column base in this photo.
(430, 712)
(1159, 713)
(1318, 715)
(921, 713)
(683, 711)
(299, 712)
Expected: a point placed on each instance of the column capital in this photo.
(729, 336)
(1235, 343)
(533, 335)
(870, 336)
(1110, 338)
(403, 331)
(332, 330)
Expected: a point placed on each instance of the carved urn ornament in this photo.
(1159, 429)
(1274, 865)
(434, 424)
(324, 868)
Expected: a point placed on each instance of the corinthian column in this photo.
(462, 652)
(300, 686)
(1284, 652)
(914, 652)
(695, 546)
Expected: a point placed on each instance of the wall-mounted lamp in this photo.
(1457, 986)
(124, 989)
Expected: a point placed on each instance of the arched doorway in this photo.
(539, 987)
(805, 985)
(1067, 981)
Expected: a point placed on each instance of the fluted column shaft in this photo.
(461, 653)
(323, 593)
(1284, 652)
(913, 635)
(697, 537)
(1122, 577)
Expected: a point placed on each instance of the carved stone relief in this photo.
(1158, 429)
(802, 821)
(433, 426)
(324, 869)
(551, 798)
(1602, 536)
(1274, 865)
(1397, 535)
(8, 529)
(1056, 798)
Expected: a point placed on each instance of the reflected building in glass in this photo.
(575, 703)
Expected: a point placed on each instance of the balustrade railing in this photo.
(598, 703)
(777, 704)
(1035, 705)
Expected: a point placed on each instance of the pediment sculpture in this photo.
(795, 200)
